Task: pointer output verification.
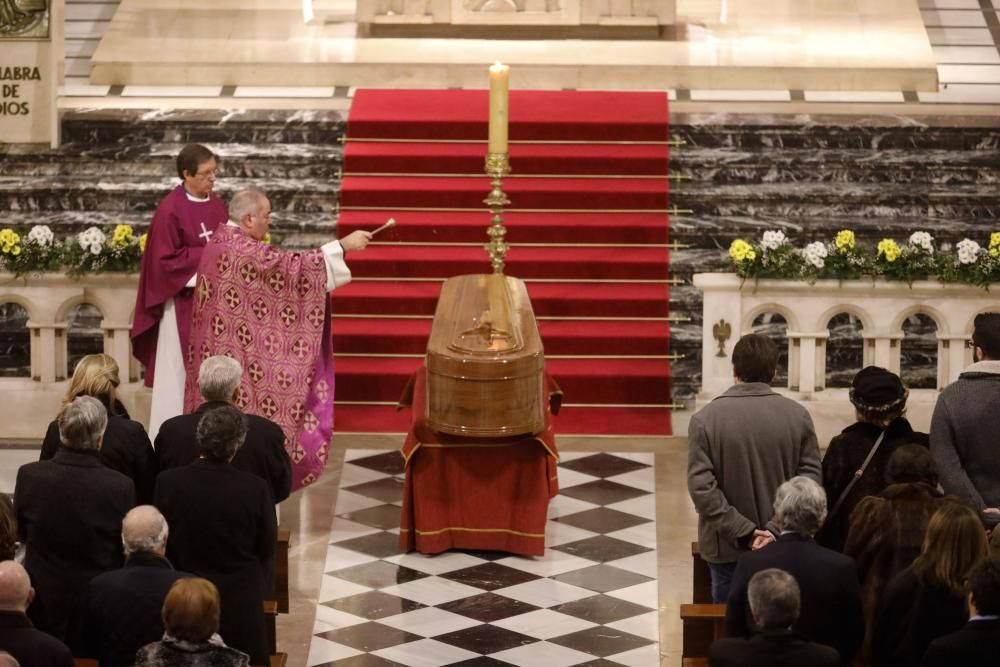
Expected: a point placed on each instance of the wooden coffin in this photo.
(485, 365)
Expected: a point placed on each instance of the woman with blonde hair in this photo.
(927, 600)
(191, 624)
(126, 447)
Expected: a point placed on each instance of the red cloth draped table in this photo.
(489, 494)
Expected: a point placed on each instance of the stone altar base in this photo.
(731, 44)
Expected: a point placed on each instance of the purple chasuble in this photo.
(176, 238)
(268, 308)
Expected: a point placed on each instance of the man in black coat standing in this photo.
(123, 610)
(978, 643)
(69, 515)
(774, 602)
(263, 454)
(224, 528)
(17, 636)
(831, 610)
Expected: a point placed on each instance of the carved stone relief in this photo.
(24, 18)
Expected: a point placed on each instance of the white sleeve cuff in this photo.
(193, 282)
(337, 273)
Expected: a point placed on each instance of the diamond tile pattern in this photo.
(490, 576)
(603, 465)
(480, 609)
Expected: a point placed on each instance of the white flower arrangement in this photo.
(41, 235)
(922, 241)
(92, 239)
(968, 251)
(773, 240)
(815, 254)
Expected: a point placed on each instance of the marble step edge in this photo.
(958, 139)
(144, 187)
(159, 151)
(693, 176)
(718, 124)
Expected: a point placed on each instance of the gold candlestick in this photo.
(497, 166)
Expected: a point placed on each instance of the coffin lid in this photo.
(484, 328)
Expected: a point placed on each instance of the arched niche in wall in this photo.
(774, 326)
(83, 334)
(844, 349)
(918, 351)
(15, 341)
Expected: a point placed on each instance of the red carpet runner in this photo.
(587, 226)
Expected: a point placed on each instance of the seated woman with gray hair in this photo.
(69, 514)
(831, 599)
(126, 447)
(223, 527)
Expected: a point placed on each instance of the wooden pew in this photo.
(271, 624)
(281, 570)
(702, 624)
(701, 578)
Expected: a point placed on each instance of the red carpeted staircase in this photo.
(587, 225)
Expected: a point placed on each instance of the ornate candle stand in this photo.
(497, 166)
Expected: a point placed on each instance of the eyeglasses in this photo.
(206, 174)
(971, 344)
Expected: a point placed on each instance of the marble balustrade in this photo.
(880, 306)
(49, 299)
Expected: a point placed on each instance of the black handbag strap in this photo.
(857, 475)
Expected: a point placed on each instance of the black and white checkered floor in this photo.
(590, 600)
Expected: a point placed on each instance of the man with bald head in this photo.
(123, 607)
(17, 636)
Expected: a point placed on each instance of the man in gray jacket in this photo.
(741, 447)
(964, 438)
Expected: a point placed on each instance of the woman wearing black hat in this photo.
(879, 400)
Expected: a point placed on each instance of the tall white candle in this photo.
(499, 85)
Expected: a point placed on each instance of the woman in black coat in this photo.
(223, 528)
(879, 400)
(126, 447)
(927, 600)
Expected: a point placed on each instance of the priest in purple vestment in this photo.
(268, 308)
(182, 225)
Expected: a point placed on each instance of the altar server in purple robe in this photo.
(268, 308)
(184, 222)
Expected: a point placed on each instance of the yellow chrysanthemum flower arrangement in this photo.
(889, 249)
(994, 249)
(10, 242)
(844, 241)
(122, 236)
(741, 251)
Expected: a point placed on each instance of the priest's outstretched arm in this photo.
(337, 273)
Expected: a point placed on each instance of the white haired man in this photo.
(831, 610)
(262, 454)
(123, 608)
(18, 638)
(69, 515)
(774, 603)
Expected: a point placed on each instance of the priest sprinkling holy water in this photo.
(269, 309)
(182, 225)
